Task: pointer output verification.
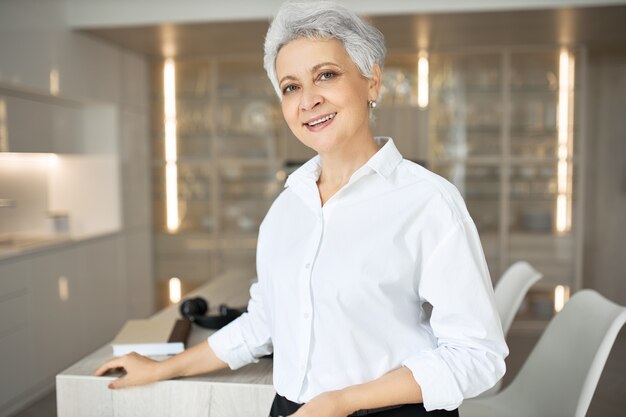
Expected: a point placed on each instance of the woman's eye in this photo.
(327, 76)
(289, 88)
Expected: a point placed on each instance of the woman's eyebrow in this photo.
(323, 64)
(287, 77)
(313, 69)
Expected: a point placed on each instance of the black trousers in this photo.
(282, 407)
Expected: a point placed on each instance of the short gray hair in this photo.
(323, 20)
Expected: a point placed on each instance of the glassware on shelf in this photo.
(193, 78)
(242, 79)
(194, 118)
(253, 118)
(480, 187)
(242, 217)
(242, 181)
(465, 106)
(534, 104)
(396, 87)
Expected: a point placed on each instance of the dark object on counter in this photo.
(195, 309)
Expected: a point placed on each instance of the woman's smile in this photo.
(318, 123)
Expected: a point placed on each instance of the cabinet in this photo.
(15, 341)
(57, 305)
(40, 123)
(104, 298)
(491, 127)
(495, 130)
(229, 166)
(34, 125)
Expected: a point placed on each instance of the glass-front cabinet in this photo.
(217, 166)
(503, 129)
(503, 126)
(500, 123)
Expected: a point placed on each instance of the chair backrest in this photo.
(561, 373)
(511, 289)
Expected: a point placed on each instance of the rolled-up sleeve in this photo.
(470, 352)
(247, 338)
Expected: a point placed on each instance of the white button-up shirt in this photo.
(389, 272)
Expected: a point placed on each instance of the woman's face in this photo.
(324, 96)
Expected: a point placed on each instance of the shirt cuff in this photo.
(439, 388)
(229, 345)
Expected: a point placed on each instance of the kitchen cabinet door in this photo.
(15, 341)
(34, 124)
(104, 306)
(56, 287)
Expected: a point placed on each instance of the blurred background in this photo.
(141, 145)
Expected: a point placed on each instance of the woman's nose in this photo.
(309, 100)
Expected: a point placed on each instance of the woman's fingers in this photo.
(139, 370)
(112, 364)
(118, 383)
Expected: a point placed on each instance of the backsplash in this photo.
(86, 187)
(24, 179)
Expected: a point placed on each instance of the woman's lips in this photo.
(321, 124)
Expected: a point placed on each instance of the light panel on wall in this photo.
(171, 169)
(175, 288)
(54, 82)
(422, 80)
(561, 297)
(4, 138)
(64, 288)
(565, 142)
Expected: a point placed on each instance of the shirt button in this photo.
(306, 315)
(307, 266)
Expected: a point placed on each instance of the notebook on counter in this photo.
(152, 337)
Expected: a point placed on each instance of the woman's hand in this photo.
(197, 360)
(328, 404)
(395, 387)
(139, 369)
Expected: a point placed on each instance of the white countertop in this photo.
(30, 244)
(247, 391)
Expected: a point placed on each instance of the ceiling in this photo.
(602, 29)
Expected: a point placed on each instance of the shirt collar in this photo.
(384, 162)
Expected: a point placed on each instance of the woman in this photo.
(351, 252)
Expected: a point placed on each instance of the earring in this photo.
(371, 104)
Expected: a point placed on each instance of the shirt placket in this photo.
(305, 295)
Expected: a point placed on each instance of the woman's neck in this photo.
(337, 167)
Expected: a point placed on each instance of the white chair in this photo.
(509, 292)
(561, 373)
(511, 289)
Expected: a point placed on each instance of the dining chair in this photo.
(509, 292)
(561, 373)
(511, 289)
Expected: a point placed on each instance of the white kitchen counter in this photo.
(33, 244)
(245, 392)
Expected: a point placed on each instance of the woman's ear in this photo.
(374, 82)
